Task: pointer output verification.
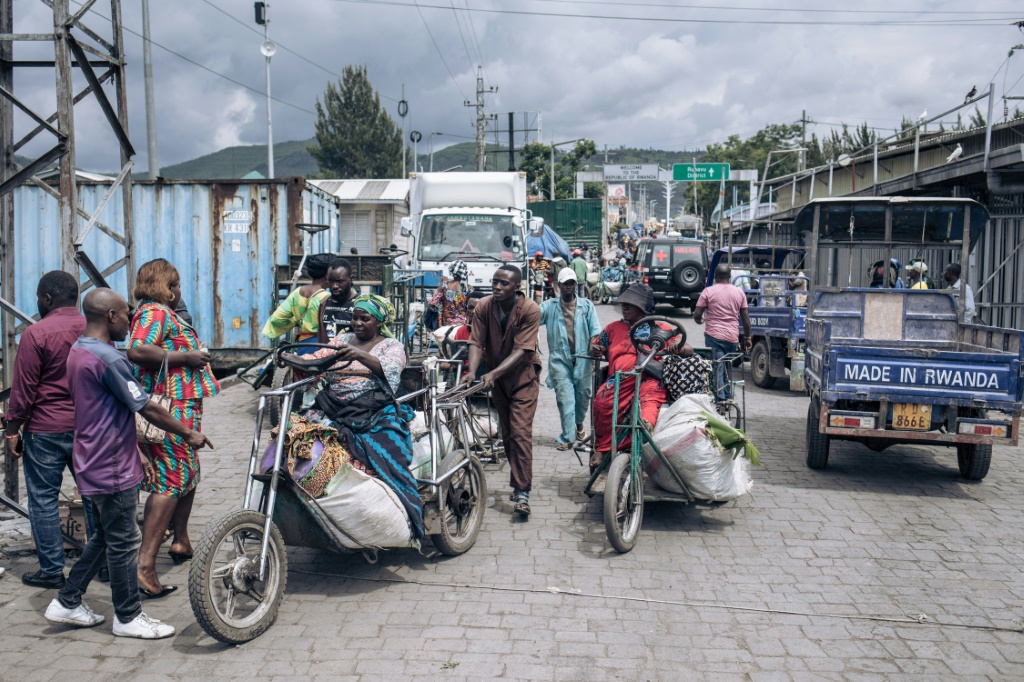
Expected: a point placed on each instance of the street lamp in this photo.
(268, 48)
(432, 133)
(767, 164)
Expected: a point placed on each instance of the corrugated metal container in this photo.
(576, 220)
(224, 237)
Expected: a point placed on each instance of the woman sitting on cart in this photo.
(359, 401)
(614, 345)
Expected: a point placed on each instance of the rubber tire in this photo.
(973, 460)
(445, 543)
(817, 443)
(282, 377)
(594, 294)
(617, 471)
(760, 370)
(198, 581)
(688, 276)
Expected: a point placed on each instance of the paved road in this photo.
(807, 555)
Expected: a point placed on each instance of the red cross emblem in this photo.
(661, 256)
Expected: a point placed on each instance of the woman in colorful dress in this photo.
(452, 296)
(359, 401)
(301, 310)
(158, 335)
(614, 345)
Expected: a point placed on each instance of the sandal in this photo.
(522, 507)
(169, 589)
(562, 447)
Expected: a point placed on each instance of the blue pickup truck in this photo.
(777, 297)
(894, 365)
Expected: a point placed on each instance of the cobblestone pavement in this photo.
(808, 554)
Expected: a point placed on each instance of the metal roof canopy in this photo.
(887, 222)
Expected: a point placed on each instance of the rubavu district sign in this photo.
(700, 172)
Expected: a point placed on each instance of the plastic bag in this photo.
(420, 466)
(711, 472)
(367, 510)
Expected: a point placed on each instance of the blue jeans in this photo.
(116, 542)
(46, 456)
(723, 377)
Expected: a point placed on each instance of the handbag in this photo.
(144, 431)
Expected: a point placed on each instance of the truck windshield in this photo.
(469, 237)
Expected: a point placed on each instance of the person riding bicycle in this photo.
(301, 309)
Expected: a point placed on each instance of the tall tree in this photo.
(536, 163)
(355, 136)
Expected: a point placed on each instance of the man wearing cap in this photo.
(571, 323)
(722, 306)
(504, 333)
(916, 270)
(580, 268)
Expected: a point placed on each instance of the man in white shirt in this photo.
(952, 277)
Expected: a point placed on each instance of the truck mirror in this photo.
(537, 226)
(406, 227)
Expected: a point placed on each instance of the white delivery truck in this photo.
(479, 218)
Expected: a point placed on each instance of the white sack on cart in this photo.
(710, 472)
(366, 509)
(420, 466)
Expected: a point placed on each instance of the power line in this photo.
(476, 41)
(282, 46)
(801, 10)
(993, 21)
(436, 47)
(206, 68)
(458, 23)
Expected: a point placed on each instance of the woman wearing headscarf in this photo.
(359, 401)
(302, 307)
(615, 346)
(161, 339)
(452, 295)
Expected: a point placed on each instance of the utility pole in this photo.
(268, 48)
(147, 71)
(403, 110)
(481, 117)
(802, 158)
(511, 141)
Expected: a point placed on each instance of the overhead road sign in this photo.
(700, 172)
(630, 173)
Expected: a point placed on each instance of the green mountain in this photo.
(290, 159)
(293, 158)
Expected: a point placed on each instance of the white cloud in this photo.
(619, 82)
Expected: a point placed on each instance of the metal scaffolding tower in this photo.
(98, 59)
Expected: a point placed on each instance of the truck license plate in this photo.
(911, 417)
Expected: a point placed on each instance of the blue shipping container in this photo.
(225, 238)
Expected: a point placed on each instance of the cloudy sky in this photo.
(671, 74)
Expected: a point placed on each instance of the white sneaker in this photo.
(81, 615)
(143, 627)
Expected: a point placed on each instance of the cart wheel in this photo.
(623, 510)
(817, 443)
(465, 497)
(594, 293)
(282, 377)
(759, 369)
(228, 599)
(973, 460)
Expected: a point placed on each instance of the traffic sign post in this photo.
(700, 172)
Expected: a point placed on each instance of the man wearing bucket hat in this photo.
(916, 274)
(571, 323)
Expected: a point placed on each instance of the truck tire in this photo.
(760, 370)
(973, 460)
(817, 443)
(688, 276)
